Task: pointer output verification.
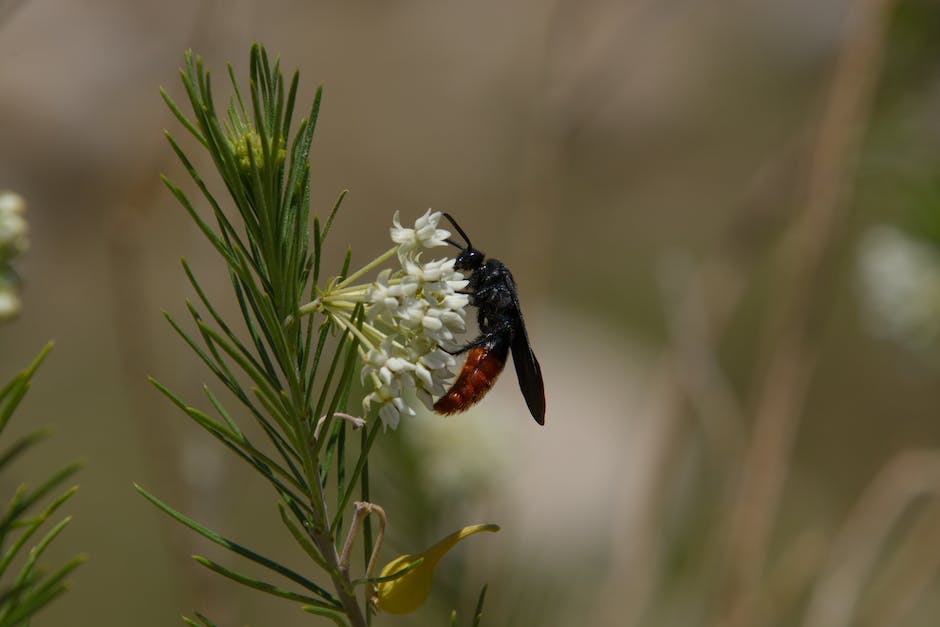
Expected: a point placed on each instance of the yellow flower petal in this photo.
(406, 593)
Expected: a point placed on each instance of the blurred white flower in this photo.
(900, 284)
(461, 458)
(13, 227)
(13, 241)
(10, 304)
(411, 313)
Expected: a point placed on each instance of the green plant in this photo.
(24, 587)
(305, 340)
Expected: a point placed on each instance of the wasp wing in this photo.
(530, 377)
(527, 366)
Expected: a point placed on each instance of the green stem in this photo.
(363, 340)
(310, 307)
(368, 267)
(340, 576)
(320, 531)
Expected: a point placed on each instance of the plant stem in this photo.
(320, 530)
(791, 351)
(340, 577)
(368, 267)
(321, 536)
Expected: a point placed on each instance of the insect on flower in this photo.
(493, 292)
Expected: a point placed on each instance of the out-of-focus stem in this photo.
(790, 356)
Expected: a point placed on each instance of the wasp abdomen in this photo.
(479, 373)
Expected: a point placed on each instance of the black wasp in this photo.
(493, 292)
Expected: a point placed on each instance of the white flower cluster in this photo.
(410, 314)
(13, 241)
(900, 284)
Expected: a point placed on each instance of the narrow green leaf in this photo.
(329, 220)
(291, 100)
(40, 595)
(166, 392)
(398, 573)
(39, 549)
(300, 153)
(7, 523)
(236, 90)
(31, 528)
(363, 456)
(238, 443)
(283, 416)
(200, 417)
(298, 159)
(346, 261)
(229, 382)
(311, 376)
(22, 445)
(366, 497)
(13, 399)
(478, 612)
(15, 381)
(283, 447)
(325, 389)
(31, 369)
(270, 320)
(239, 549)
(9, 597)
(345, 380)
(249, 315)
(22, 379)
(225, 225)
(182, 117)
(205, 620)
(26, 606)
(264, 465)
(205, 228)
(271, 388)
(337, 617)
(44, 488)
(257, 584)
(340, 462)
(233, 427)
(317, 246)
(302, 538)
(222, 325)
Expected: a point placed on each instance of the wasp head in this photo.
(469, 260)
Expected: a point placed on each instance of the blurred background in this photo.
(723, 219)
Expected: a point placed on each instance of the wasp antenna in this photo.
(454, 244)
(459, 230)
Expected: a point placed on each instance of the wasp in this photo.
(493, 292)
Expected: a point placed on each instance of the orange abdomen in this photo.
(479, 372)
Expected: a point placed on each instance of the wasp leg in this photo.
(482, 340)
(461, 350)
